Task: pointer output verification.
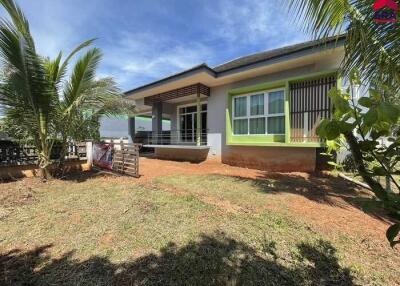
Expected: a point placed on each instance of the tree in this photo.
(373, 50)
(362, 124)
(35, 95)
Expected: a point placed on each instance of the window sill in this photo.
(276, 144)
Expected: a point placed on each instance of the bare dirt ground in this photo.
(329, 203)
(153, 168)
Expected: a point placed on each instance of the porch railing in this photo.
(176, 137)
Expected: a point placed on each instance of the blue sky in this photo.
(145, 40)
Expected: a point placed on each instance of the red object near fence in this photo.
(103, 155)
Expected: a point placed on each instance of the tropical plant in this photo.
(374, 50)
(362, 124)
(371, 48)
(35, 95)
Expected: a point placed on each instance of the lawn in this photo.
(188, 230)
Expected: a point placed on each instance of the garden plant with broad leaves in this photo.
(365, 124)
(373, 50)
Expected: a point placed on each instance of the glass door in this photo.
(188, 123)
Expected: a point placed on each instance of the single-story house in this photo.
(259, 111)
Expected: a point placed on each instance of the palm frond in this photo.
(26, 80)
(19, 20)
(320, 18)
(106, 99)
(371, 48)
(82, 79)
(63, 68)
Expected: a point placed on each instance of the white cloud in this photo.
(137, 58)
(176, 58)
(255, 22)
(136, 54)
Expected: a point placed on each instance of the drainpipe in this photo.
(198, 123)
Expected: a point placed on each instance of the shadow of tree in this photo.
(329, 190)
(81, 177)
(212, 260)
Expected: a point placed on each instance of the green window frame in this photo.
(259, 113)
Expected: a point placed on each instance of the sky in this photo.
(143, 41)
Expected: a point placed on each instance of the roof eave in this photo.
(186, 73)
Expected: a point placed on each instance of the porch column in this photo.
(156, 122)
(131, 128)
(198, 121)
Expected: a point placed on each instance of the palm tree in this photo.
(35, 94)
(371, 48)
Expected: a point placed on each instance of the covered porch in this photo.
(186, 108)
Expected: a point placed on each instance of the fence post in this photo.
(89, 153)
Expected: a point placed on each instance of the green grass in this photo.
(186, 230)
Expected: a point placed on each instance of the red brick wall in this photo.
(278, 159)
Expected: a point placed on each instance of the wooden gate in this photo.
(126, 159)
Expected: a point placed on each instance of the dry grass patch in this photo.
(186, 230)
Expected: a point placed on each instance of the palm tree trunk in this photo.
(45, 148)
(44, 159)
(63, 152)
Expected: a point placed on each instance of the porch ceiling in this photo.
(197, 89)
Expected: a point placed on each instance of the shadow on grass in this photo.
(213, 260)
(329, 190)
(81, 177)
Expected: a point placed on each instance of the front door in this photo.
(188, 123)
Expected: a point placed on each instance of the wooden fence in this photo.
(126, 159)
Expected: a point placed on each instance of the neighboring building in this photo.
(259, 111)
(118, 126)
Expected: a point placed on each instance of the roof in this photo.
(276, 53)
(195, 69)
(246, 60)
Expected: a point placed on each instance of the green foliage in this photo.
(363, 124)
(373, 49)
(348, 164)
(39, 101)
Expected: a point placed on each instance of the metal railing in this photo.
(176, 137)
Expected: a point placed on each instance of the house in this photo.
(259, 111)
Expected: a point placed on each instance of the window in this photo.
(240, 124)
(259, 113)
(257, 104)
(241, 106)
(276, 112)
